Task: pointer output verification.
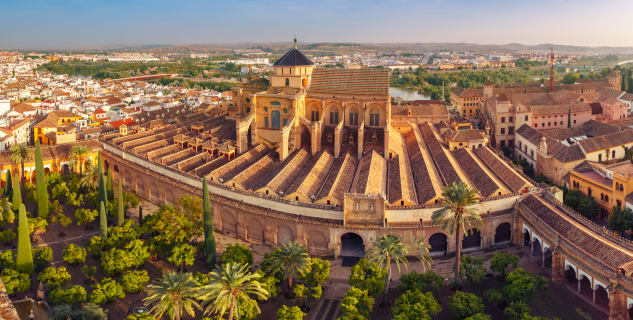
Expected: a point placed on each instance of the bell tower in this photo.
(292, 70)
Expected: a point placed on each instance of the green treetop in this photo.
(40, 180)
(121, 209)
(17, 195)
(24, 260)
(110, 186)
(209, 237)
(103, 222)
(8, 191)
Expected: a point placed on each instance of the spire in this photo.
(295, 42)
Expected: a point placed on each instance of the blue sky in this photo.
(85, 23)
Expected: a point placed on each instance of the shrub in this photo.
(115, 261)
(428, 281)
(85, 216)
(493, 295)
(290, 313)
(502, 260)
(120, 236)
(74, 254)
(73, 295)
(414, 304)
(106, 291)
(42, 257)
(270, 283)
(6, 259)
(87, 311)
(473, 269)
(517, 310)
(237, 253)
(95, 246)
(134, 281)
(182, 255)
(479, 316)
(15, 281)
(464, 305)
(138, 251)
(356, 304)
(368, 276)
(6, 236)
(521, 285)
(54, 277)
(140, 316)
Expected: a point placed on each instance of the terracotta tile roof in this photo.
(467, 135)
(446, 169)
(369, 178)
(484, 184)
(541, 109)
(339, 180)
(607, 141)
(309, 185)
(23, 107)
(599, 247)
(507, 175)
(394, 192)
(350, 81)
(290, 171)
(234, 167)
(421, 178)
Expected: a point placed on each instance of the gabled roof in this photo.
(350, 81)
(293, 58)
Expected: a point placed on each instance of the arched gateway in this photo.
(352, 245)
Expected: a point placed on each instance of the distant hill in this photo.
(319, 48)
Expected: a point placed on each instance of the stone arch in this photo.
(570, 276)
(547, 258)
(306, 136)
(229, 223)
(602, 295)
(352, 245)
(140, 186)
(353, 108)
(472, 240)
(285, 234)
(503, 233)
(333, 113)
(439, 243)
(47, 170)
(586, 289)
(374, 109)
(126, 179)
(537, 250)
(106, 166)
(154, 194)
(526, 237)
(116, 168)
(315, 107)
(255, 230)
(316, 241)
(65, 168)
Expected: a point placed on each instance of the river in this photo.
(407, 94)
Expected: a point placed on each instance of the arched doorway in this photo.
(537, 252)
(317, 242)
(352, 245)
(602, 297)
(472, 240)
(503, 233)
(570, 277)
(548, 258)
(526, 238)
(585, 287)
(305, 138)
(255, 230)
(285, 235)
(438, 243)
(65, 168)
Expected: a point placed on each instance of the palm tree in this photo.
(384, 251)
(19, 154)
(175, 294)
(424, 255)
(457, 215)
(89, 179)
(230, 285)
(290, 259)
(78, 155)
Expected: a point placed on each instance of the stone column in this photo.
(593, 291)
(313, 139)
(617, 305)
(558, 267)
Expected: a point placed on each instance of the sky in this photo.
(87, 23)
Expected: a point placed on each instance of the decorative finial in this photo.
(295, 42)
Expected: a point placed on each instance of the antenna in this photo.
(295, 41)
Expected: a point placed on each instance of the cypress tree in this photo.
(121, 211)
(209, 237)
(110, 186)
(17, 195)
(24, 260)
(40, 181)
(103, 222)
(140, 215)
(8, 191)
(102, 187)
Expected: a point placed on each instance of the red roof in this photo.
(99, 111)
(128, 122)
